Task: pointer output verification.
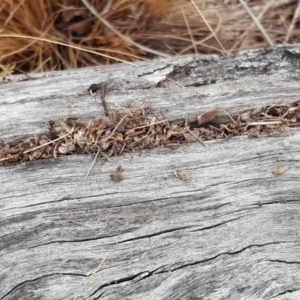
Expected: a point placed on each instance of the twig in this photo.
(102, 88)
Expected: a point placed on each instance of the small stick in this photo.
(264, 123)
(102, 88)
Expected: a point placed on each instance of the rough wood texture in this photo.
(230, 232)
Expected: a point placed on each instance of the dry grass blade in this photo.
(120, 122)
(89, 279)
(257, 23)
(190, 32)
(212, 31)
(293, 23)
(61, 44)
(196, 137)
(151, 124)
(246, 33)
(92, 165)
(264, 123)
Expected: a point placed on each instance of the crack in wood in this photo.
(146, 236)
(172, 268)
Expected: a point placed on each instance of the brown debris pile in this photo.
(132, 129)
(127, 130)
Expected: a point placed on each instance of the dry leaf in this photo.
(207, 116)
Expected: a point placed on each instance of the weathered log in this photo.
(229, 232)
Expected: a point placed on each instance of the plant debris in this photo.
(207, 116)
(184, 174)
(131, 129)
(281, 170)
(117, 175)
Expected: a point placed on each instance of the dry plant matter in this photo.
(50, 35)
(135, 128)
(259, 23)
(117, 175)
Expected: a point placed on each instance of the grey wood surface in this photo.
(230, 232)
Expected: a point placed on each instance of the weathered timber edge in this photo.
(230, 232)
(190, 85)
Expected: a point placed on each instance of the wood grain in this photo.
(230, 232)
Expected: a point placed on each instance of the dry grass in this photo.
(52, 35)
(47, 35)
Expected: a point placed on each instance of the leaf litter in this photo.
(132, 129)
